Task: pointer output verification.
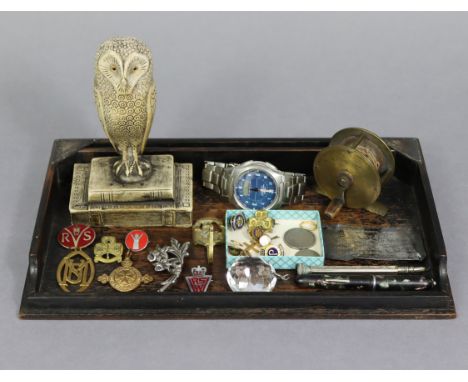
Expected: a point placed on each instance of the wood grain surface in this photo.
(407, 195)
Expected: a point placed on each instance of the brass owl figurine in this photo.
(125, 94)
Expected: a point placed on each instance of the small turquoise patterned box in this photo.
(284, 219)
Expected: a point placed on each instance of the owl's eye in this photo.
(135, 68)
(114, 68)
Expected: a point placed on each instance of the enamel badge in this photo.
(76, 268)
(76, 236)
(199, 281)
(136, 240)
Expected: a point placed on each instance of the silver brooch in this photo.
(169, 258)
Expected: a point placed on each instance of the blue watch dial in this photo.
(255, 190)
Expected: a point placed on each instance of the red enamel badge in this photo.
(136, 240)
(198, 282)
(76, 236)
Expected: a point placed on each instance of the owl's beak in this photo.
(123, 86)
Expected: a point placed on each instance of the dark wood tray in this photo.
(408, 195)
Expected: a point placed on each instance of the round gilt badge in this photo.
(76, 236)
(125, 278)
(136, 240)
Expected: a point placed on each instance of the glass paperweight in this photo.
(252, 274)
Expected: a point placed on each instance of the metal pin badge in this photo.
(237, 221)
(125, 278)
(272, 250)
(108, 251)
(76, 236)
(199, 281)
(136, 240)
(76, 268)
(260, 224)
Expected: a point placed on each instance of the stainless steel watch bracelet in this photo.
(215, 176)
(294, 187)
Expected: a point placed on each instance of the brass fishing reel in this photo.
(352, 170)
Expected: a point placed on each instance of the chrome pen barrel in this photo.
(347, 269)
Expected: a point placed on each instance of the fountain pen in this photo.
(367, 282)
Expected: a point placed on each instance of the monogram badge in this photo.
(76, 268)
(199, 281)
(76, 236)
(108, 251)
(136, 240)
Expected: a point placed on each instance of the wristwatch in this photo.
(254, 185)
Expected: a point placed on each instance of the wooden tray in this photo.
(408, 196)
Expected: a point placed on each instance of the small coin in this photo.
(299, 238)
(307, 252)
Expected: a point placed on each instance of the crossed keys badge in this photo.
(76, 268)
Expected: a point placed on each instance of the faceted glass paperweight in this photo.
(251, 274)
